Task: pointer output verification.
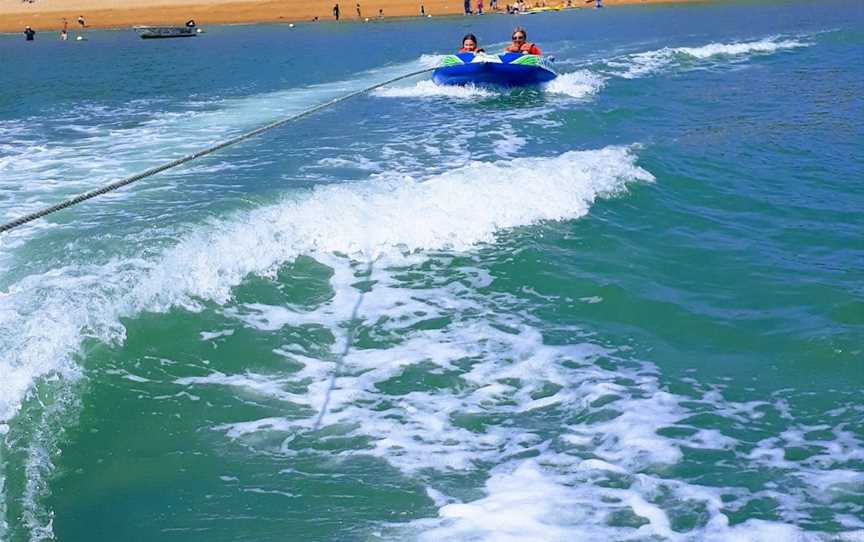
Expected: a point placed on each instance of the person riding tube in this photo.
(521, 45)
(469, 45)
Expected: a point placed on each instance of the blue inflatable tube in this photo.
(508, 70)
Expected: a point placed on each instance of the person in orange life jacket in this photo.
(469, 45)
(520, 45)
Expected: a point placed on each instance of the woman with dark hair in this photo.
(469, 45)
(520, 43)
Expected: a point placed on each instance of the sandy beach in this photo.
(45, 15)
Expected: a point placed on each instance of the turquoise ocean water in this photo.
(627, 306)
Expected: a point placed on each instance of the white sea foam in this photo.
(579, 84)
(57, 168)
(354, 162)
(507, 141)
(44, 317)
(641, 64)
(392, 215)
(769, 45)
(257, 384)
(428, 89)
(597, 473)
(210, 335)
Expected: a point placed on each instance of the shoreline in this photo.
(47, 15)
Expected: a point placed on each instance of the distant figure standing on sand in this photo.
(336, 11)
(29, 33)
(467, 7)
(381, 13)
(358, 11)
(82, 25)
(422, 10)
(479, 7)
(64, 34)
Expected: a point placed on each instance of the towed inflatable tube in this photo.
(508, 70)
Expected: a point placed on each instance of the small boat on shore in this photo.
(159, 32)
(508, 70)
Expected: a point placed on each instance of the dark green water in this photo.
(627, 306)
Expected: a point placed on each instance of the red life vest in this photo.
(527, 48)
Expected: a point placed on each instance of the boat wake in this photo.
(44, 317)
(643, 64)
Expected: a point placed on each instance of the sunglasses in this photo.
(518, 37)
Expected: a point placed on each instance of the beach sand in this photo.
(44, 15)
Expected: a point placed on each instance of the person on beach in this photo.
(336, 11)
(64, 34)
(358, 11)
(469, 45)
(29, 33)
(381, 13)
(479, 7)
(467, 6)
(422, 10)
(80, 35)
(520, 45)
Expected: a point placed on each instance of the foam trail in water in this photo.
(587, 444)
(641, 64)
(586, 83)
(428, 89)
(58, 168)
(579, 84)
(44, 318)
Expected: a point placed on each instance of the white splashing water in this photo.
(108, 153)
(579, 84)
(598, 472)
(641, 64)
(583, 84)
(44, 318)
(428, 89)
